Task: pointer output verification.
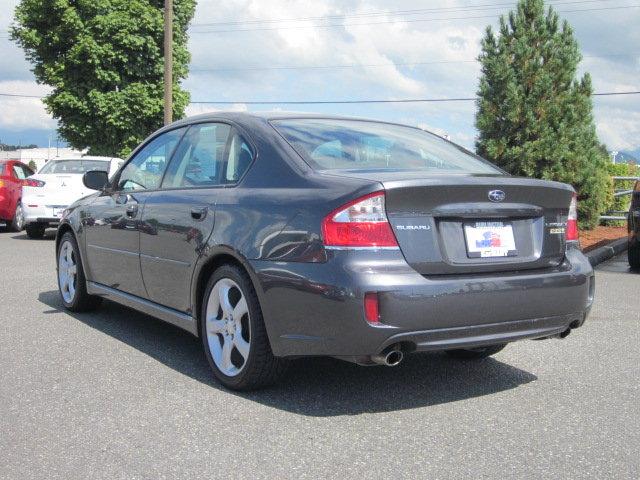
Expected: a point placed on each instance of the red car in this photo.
(13, 174)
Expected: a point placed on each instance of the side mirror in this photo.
(95, 179)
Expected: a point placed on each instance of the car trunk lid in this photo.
(58, 192)
(466, 224)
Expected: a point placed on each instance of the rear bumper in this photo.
(40, 214)
(491, 334)
(317, 309)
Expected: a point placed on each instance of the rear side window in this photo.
(20, 172)
(360, 145)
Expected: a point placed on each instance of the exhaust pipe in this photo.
(391, 358)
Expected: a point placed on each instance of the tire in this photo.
(17, 224)
(72, 284)
(225, 338)
(634, 257)
(475, 353)
(35, 231)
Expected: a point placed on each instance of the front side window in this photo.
(145, 170)
(210, 154)
(328, 144)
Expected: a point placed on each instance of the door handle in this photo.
(198, 213)
(132, 210)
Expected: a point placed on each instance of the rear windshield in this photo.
(360, 145)
(74, 166)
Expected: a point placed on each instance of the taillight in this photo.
(572, 220)
(360, 223)
(33, 183)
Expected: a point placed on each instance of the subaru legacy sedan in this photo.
(279, 236)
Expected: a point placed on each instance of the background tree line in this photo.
(104, 60)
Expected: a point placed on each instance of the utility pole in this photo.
(168, 61)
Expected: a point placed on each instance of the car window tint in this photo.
(145, 170)
(73, 166)
(328, 144)
(240, 157)
(200, 158)
(19, 172)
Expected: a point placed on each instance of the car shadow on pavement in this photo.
(49, 234)
(318, 387)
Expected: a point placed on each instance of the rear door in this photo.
(112, 221)
(178, 220)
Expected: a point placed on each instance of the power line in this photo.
(420, 20)
(416, 11)
(19, 95)
(359, 65)
(392, 13)
(326, 102)
(404, 100)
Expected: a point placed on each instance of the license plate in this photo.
(490, 239)
(57, 212)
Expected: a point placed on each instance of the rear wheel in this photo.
(72, 283)
(634, 256)
(475, 353)
(35, 231)
(233, 332)
(17, 224)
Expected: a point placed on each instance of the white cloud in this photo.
(18, 113)
(619, 128)
(385, 40)
(198, 108)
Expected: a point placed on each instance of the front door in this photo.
(178, 220)
(112, 222)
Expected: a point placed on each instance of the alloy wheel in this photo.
(227, 327)
(67, 272)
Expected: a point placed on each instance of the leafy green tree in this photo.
(534, 116)
(104, 61)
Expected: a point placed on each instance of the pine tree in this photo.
(535, 118)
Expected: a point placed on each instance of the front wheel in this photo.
(233, 332)
(72, 283)
(476, 353)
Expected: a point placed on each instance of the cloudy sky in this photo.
(251, 50)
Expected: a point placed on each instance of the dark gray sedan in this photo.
(280, 236)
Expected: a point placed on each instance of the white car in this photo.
(56, 186)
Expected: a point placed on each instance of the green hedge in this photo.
(621, 203)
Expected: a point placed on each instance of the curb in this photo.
(602, 254)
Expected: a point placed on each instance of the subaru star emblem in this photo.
(497, 195)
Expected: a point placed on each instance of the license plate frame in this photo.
(489, 239)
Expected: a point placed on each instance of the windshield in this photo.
(74, 166)
(360, 145)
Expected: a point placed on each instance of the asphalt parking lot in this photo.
(116, 394)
